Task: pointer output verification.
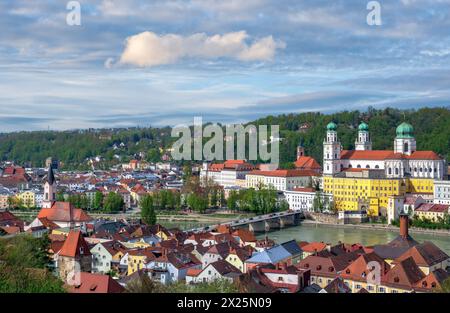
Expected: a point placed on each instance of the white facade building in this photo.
(101, 259)
(302, 199)
(280, 180)
(227, 174)
(442, 191)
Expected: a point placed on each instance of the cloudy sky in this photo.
(162, 62)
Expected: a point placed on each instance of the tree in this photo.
(445, 286)
(25, 251)
(197, 202)
(60, 197)
(232, 201)
(148, 214)
(17, 279)
(98, 200)
(113, 203)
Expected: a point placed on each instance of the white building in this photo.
(442, 191)
(302, 199)
(39, 199)
(227, 174)
(280, 180)
(403, 161)
(101, 259)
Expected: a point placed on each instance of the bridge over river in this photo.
(262, 223)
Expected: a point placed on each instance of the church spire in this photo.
(50, 175)
(49, 189)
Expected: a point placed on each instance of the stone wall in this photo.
(321, 217)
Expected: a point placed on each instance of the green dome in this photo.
(405, 130)
(363, 127)
(331, 126)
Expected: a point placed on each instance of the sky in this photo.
(162, 62)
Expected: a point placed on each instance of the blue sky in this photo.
(162, 62)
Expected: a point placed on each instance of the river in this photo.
(330, 234)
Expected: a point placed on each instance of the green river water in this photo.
(330, 234)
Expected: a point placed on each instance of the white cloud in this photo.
(149, 49)
(437, 53)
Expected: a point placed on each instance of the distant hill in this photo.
(72, 148)
(431, 129)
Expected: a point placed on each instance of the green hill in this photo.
(72, 148)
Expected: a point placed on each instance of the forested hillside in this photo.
(431, 129)
(72, 148)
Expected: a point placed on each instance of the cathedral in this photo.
(404, 161)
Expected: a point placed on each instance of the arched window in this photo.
(390, 171)
(376, 166)
(359, 166)
(367, 166)
(405, 147)
(396, 171)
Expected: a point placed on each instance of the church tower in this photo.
(363, 141)
(405, 142)
(49, 189)
(300, 151)
(331, 151)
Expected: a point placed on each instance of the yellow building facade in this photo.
(371, 194)
(28, 199)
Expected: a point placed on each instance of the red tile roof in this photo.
(425, 254)
(306, 162)
(314, 247)
(358, 270)
(193, 272)
(96, 283)
(380, 155)
(75, 245)
(404, 275)
(431, 207)
(284, 173)
(64, 212)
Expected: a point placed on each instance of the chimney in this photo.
(404, 224)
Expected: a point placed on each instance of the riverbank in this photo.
(390, 228)
(212, 218)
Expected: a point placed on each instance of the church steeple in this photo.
(363, 141)
(49, 189)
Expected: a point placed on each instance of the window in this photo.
(405, 147)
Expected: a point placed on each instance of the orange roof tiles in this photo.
(314, 247)
(284, 173)
(379, 155)
(64, 212)
(75, 245)
(96, 283)
(306, 162)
